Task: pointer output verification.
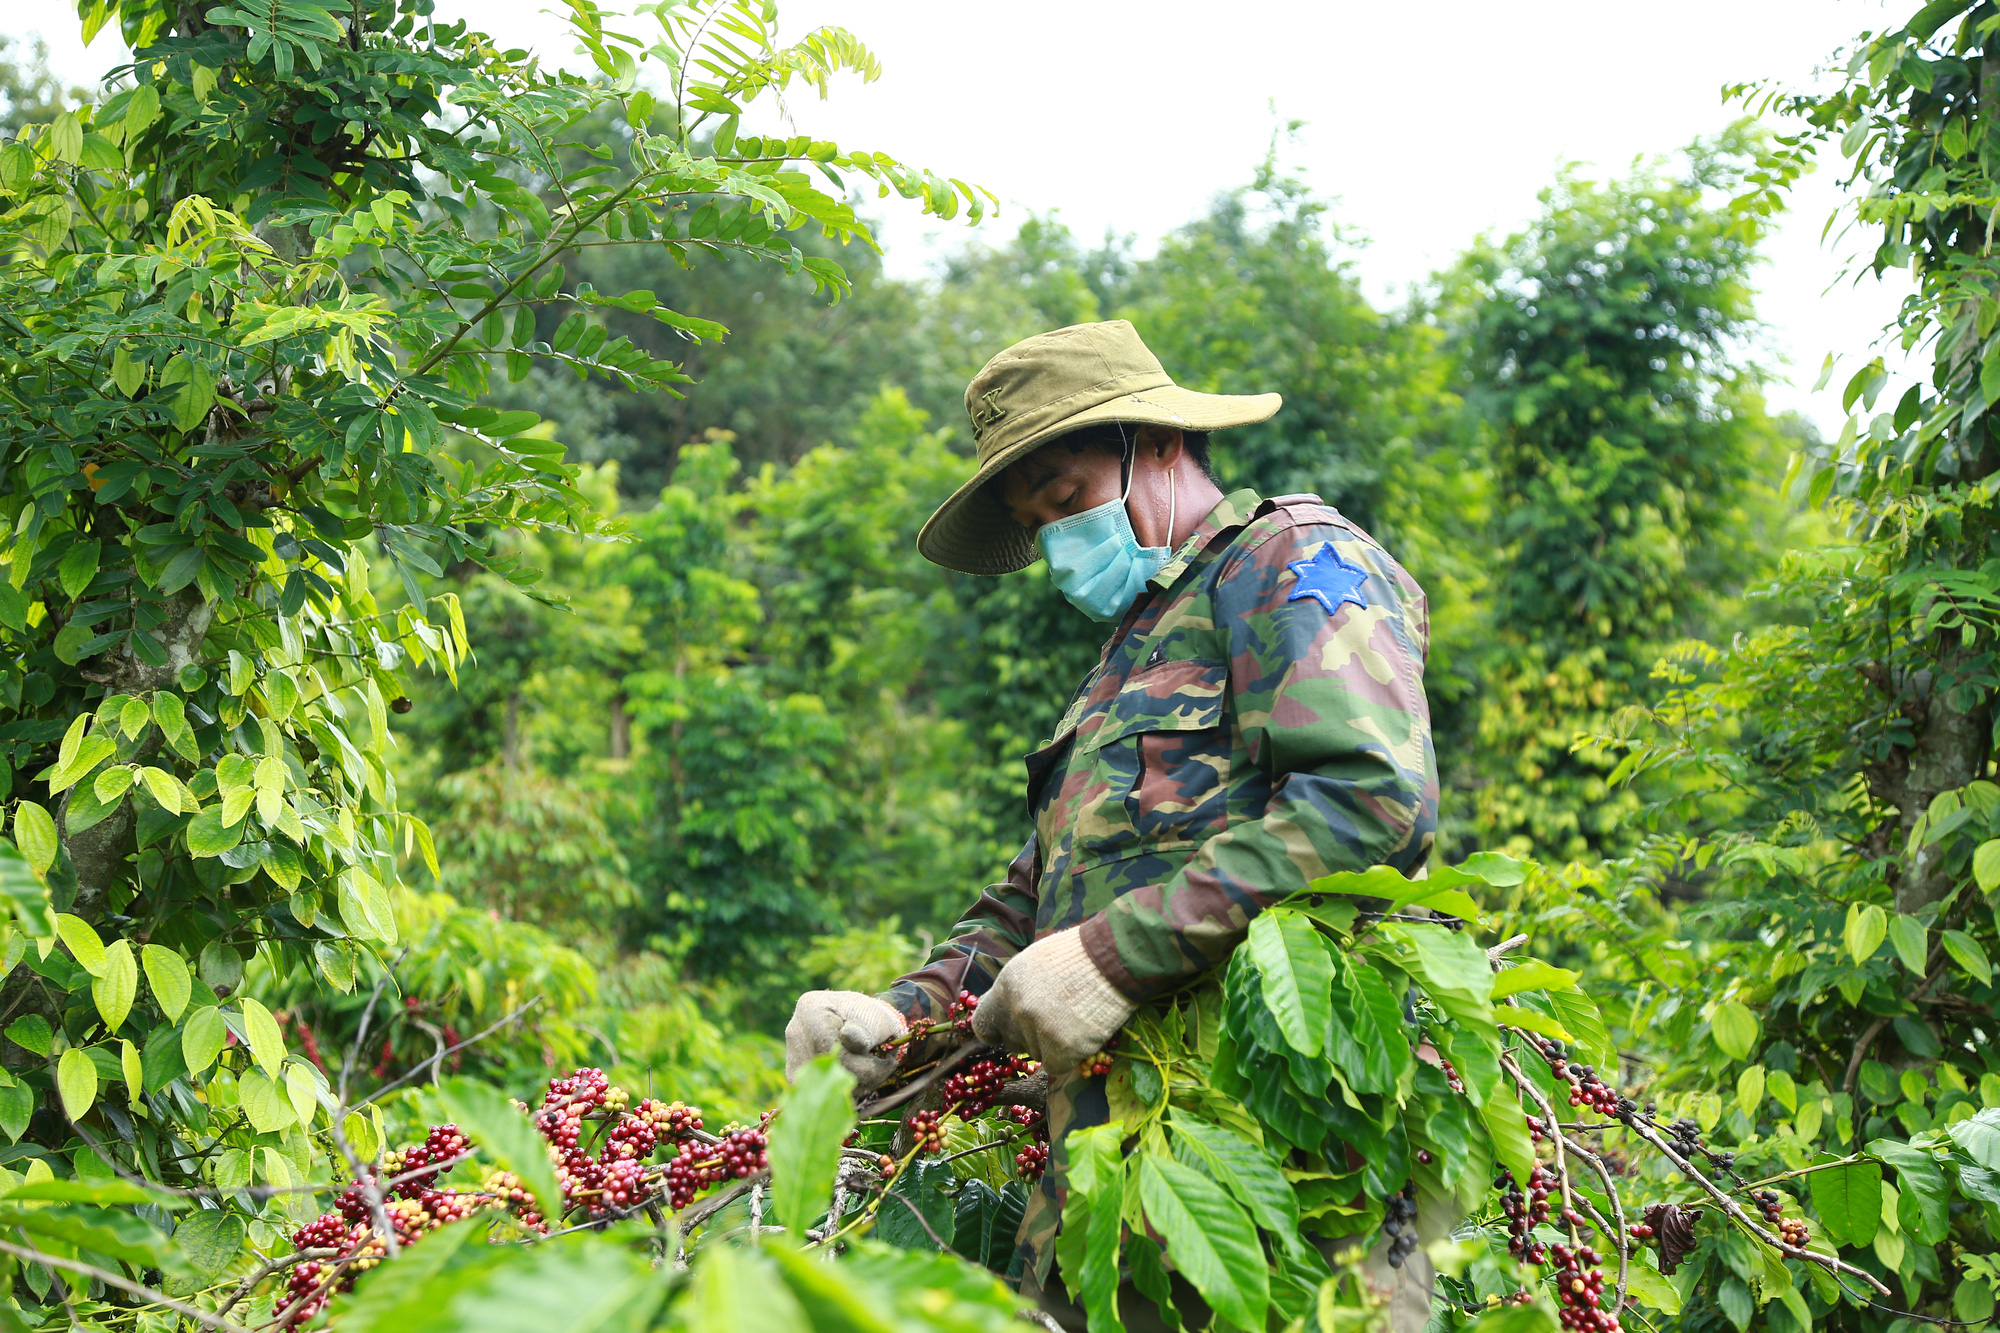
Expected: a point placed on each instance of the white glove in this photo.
(847, 1022)
(1052, 1003)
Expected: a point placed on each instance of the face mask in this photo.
(1096, 560)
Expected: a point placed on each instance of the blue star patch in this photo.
(1328, 580)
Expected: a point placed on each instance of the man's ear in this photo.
(1163, 442)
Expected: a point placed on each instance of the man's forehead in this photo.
(1052, 460)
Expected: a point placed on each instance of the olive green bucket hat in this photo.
(1049, 385)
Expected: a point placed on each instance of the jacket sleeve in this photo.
(998, 926)
(1328, 699)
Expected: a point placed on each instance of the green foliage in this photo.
(864, 957)
(251, 300)
(743, 741)
(1259, 295)
(805, 1145)
(272, 517)
(532, 847)
(1629, 457)
(1824, 785)
(785, 715)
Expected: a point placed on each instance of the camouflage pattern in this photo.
(1236, 741)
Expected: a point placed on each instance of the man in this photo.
(1257, 720)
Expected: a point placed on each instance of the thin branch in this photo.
(697, 1213)
(361, 1036)
(480, 1035)
(370, 1190)
(838, 1208)
(96, 1146)
(611, 1213)
(911, 1089)
(866, 1216)
(1832, 1263)
(1940, 1321)
(110, 1279)
(922, 1221)
(1792, 1175)
(1563, 1145)
(436, 1062)
(1874, 1029)
(1006, 1142)
(268, 1268)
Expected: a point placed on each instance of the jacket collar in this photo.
(1231, 512)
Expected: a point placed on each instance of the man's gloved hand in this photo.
(1051, 1002)
(847, 1022)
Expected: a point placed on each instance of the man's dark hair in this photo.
(1114, 438)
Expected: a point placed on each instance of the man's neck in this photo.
(1198, 496)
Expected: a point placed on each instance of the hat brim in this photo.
(974, 534)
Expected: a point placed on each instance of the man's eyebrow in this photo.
(1049, 475)
(1025, 469)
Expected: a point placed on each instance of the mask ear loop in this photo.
(1126, 462)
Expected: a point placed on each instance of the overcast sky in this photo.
(1429, 124)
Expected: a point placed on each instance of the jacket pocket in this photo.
(1160, 761)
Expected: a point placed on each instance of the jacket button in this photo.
(1159, 655)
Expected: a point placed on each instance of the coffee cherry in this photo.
(413, 1160)
(448, 1206)
(925, 1131)
(327, 1232)
(305, 1293)
(971, 1093)
(1399, 1223)
(632, 1138)
(680, 1120)
(505, 1189)
(1525, 1210)
(1586, 1089)
(622, 1188)
(1579, 1284)
(352, 1205)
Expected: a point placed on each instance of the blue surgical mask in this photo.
(1095, 558)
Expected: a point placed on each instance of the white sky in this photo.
(1428, 132)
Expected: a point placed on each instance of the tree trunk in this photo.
(1953, 742)
(99, 853)
(510, 735)
(1954, 716)
(621, 727)
(676, 775)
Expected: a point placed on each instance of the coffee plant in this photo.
(1361, 1069)
(248, 304)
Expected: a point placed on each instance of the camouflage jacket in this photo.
(1257, 720)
